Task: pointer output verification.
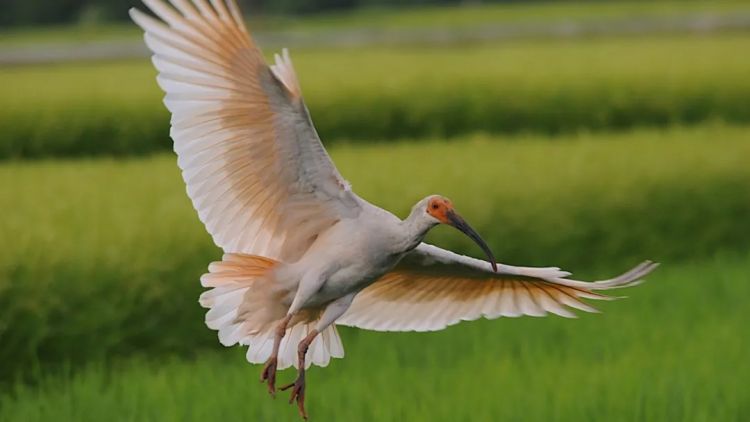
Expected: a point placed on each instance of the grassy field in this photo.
(670, 352)
(548, 86)
(592, 154)
(115, 240)
(449, 18)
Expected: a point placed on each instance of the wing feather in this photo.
(432, 288)
(248, 151)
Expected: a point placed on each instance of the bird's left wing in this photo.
(432, 288)
(255, 169)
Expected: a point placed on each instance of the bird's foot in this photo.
(269, 375)
(298, 393)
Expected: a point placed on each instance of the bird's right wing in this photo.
(432, 288)
(255, 169)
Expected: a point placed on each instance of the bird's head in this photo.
(439, 210)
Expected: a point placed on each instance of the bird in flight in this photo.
(303, 252)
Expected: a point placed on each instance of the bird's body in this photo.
(353, 253)
(356, 252)
(345, 258)
(303, 252)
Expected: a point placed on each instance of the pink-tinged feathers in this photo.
(284, 71)
(245, 306)
(257, 173)
(433, 288)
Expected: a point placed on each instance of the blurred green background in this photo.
(589, 135)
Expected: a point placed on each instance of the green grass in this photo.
(65, 34)
(472, 15)
(102, 256)
(548, 86)
(386, 19)
(673, 351)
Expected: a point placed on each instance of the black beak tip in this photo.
(460, 224)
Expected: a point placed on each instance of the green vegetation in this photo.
(105, 255)
(547, 86)
(406, 18)
(472, 15)
(672, 351)
(590, 153)
(61, 35)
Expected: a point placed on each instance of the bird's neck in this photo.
(413, 229)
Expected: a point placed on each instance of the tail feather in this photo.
(322, 349)
(245, 307)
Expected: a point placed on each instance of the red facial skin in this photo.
(438, 207)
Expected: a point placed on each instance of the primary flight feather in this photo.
(302, 251)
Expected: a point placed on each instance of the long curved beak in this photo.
(458, 222)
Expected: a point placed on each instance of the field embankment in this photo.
(368, 24)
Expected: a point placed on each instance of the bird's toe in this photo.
(298, 393)
(269, 375)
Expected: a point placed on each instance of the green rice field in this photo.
(117, 239)
(589, 153)
(387, 94)
(669, 352)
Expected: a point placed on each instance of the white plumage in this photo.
(302, 251)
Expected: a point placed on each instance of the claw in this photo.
(298, 393)
(269, 374)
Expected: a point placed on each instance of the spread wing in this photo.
(432, 288)
(255, 169)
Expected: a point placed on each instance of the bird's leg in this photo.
(332, 312)
(269, 369)
(308, 285)
(298, 392)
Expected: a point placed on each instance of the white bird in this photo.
(302, 251)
